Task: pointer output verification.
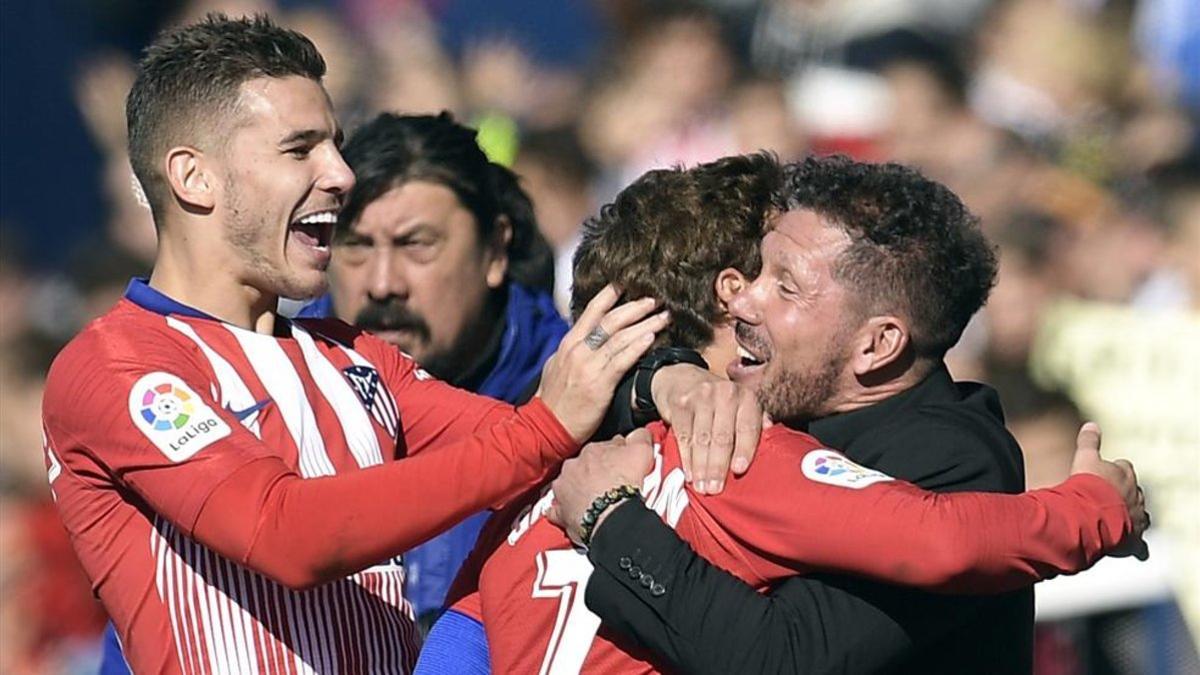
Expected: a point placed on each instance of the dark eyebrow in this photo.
(308, 136)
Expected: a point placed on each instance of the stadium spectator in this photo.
(437, 252)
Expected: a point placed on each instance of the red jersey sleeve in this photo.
(803, 507)
(143, 417)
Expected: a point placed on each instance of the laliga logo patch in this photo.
(832, 468)
(173, 417)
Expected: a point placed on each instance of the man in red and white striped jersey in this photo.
(238, 486)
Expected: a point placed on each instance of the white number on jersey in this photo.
(563, 573)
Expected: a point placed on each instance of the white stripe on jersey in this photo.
(360, 434)
(228, 619)
(225, 618)
(234, 393)
(278, 375)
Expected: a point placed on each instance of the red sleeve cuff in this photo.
(1105, 497)
(544, 421)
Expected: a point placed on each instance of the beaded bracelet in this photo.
(613, 496)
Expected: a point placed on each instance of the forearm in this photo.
(708, 621)
(315, 530)
(1029, 537)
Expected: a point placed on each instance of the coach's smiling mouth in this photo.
(753, 356)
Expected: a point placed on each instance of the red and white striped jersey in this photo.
(154, 405)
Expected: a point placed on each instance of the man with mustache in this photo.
(869, 274)
(437, 252)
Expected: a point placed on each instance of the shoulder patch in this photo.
(173, 417)
(834, 468)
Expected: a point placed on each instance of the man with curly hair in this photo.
(870, 273)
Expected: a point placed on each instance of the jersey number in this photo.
(563, 574)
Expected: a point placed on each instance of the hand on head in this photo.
(579, 379)
(716, 422)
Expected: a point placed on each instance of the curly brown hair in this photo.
(671, 232)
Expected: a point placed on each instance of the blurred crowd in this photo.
(1071, 127)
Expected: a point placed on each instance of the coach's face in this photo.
(283, 183)
(794, 320)
(412, 269)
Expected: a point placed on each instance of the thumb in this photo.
(637, 454)
(1087, 446)
(641, 436)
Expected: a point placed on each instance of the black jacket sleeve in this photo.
(708, 621)
(705, 620)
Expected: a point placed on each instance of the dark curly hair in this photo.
(188, 81)
(915, 249)
(392, 150)
(671, 232)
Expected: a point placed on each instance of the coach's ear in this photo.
(729, 283)
(881, 345)
(191, 179)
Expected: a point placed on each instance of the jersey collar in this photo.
(140, 293)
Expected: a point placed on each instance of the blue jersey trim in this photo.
(140, 293)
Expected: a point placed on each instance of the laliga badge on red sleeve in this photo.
(833, 468)
(173, 417)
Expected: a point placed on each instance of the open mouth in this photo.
(753, 354)
(746, 359)
(315, 229)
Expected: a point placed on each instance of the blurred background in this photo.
(1069, 126)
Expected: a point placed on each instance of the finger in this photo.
(631, 336)
(623, 350)
(591, 314)
(720, 450)
(748, 428)
(702, 459)
(614, 319)
(1088, 440)
(683, 438)
(1127, 470)
(641, 436)
(627, 315)
(638, 458)
(553, 515)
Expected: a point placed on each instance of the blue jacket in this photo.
(533, 329)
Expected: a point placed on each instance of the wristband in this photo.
(600, 504)
(644, 410)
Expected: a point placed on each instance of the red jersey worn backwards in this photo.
(154, 405)
(801, 508)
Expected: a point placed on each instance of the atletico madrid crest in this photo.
(376, 399)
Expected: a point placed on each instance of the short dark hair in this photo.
(671, 232)
(392, 150)
(914, 247)
(191, 73)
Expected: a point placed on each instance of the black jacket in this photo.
(941, 435)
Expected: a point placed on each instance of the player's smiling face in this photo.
(284, 183)
(793, 321)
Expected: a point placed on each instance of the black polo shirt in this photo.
(941, 435)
